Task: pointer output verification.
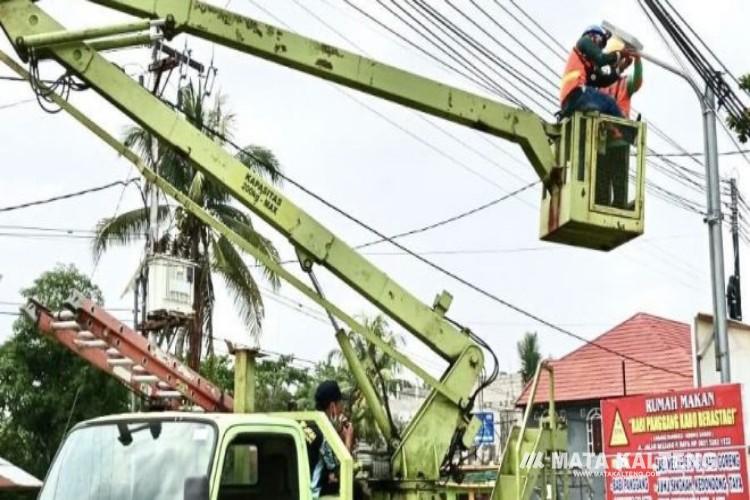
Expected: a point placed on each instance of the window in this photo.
(616, 166)
(125, 460)
(594, 431)
(240, 465)
(260, 466)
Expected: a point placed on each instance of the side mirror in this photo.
(196, 488)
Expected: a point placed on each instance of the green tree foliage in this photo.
(189, 238)
(742, 125)
(280, 386)
(381, 369)
(44, 388)
(528, 354)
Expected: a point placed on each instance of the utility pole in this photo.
(716, 244)
(714, 217)
(734, 295)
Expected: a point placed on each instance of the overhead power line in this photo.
(16, 103)
(66, 196)
(726, 96)
(705, 45)
(471, 285)
(697, 155)
(445, 271)
(454, 218)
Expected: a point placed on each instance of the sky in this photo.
(391, 167)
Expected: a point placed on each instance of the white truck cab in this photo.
(191, 456)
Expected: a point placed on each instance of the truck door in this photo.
(262, 463)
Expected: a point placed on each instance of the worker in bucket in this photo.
(323, 462)
(614, 162)
(624, 87)
(589, 69)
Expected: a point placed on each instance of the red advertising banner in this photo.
(676, 445)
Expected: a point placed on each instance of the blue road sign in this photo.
(486, 434)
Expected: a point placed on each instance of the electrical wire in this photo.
(419, 115)
(478, 51)
(560, 55)
(697, 155)
(464, 281)
(479, 83)
(538, 26)
(16, 103)
(66, 196)
(450, 274)
(440, 44)
(416, 136)
(677, 174)
(522, 45)
(497, 42)
(727, 98)
(705, 45)
(454, 218)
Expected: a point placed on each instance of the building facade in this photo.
(643, 354)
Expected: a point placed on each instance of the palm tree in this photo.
(186, 236)
(528, 353)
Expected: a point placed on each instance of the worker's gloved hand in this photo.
(624, 63)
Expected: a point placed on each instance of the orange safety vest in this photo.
(576, 72)
(619, 92)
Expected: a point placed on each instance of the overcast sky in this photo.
(391, 168)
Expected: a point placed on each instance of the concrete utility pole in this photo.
(714, 220)
(734, 294)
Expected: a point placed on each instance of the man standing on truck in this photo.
(323, 464)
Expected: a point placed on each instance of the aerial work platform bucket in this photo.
(596, 200)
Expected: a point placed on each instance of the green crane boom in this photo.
(444, 419)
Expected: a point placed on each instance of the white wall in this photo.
(704, 369)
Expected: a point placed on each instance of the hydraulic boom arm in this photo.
(352, 70)
(431, 433)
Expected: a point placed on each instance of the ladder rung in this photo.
(113, 353)
(98, 344)
(85, 335)
(145, 378)
(168, 394)
(65, 325)
(119, 362)
(164, 386)
(139, 369)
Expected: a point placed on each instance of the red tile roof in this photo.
(590, 373)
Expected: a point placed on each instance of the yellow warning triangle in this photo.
(619, 438)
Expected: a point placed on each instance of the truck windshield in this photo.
(130, 460)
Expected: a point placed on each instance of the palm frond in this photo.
(225, 210)
(123, 229)
(196, 188)
(261, 161)
(247, 297)
(141, 141)
(234, 220)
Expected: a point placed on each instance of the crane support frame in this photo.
(448, 401)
